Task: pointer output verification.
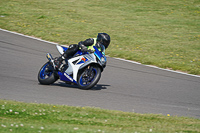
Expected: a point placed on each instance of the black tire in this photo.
(90, 80)
(46, 74)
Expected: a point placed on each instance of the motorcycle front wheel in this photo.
(88, 78)
(46, 74)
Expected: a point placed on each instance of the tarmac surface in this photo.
(123, 85)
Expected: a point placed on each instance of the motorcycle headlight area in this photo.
(103, 60)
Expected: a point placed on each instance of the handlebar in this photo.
(90, 51)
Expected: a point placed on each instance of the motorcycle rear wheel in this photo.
(46, 74)
(87, 82)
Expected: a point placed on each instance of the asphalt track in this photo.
(123, 86)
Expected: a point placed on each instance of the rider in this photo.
(84, 46)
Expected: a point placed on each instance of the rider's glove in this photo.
(82, 47)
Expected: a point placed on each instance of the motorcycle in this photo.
(83, 69)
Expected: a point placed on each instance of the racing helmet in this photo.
(104, 39)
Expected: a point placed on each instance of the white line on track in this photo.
(159, 68)
(115, 58)
(28, 36)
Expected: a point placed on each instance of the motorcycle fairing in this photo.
(61, 49)
(78, 62)
(65, 77)
(98, 53)
(101, 56)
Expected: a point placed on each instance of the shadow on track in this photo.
(95, 88)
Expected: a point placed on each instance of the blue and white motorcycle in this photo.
(83, 69)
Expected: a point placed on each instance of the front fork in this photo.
(89, 70)
(50, 58)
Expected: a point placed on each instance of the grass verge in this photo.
(31, 117)
(162, 33)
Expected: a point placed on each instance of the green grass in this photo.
(163, 33)
(19, 117)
